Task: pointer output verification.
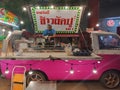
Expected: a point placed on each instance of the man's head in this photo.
(49, 27)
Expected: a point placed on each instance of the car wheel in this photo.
(110, 79)
(35, 76)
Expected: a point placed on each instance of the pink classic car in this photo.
(102, 63)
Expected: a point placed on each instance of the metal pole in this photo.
(30, 17)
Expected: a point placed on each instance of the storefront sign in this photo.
(110, 23)
(7, 17)
(62, 19)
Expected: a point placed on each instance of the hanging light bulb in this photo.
(71, 70)
(7, 70)
(89, 14)
(98, 62)
(30, 72)
(94, 71)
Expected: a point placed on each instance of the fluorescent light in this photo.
(9, 24)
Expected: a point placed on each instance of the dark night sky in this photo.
(109, 8)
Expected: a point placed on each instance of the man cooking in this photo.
(48, 35)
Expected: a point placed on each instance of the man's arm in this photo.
(54, 34)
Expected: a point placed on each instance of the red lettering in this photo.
(63, 21)
(43, 12)
(57, 21)
(48, 20)
(42, 20)
(68, 21)
(71, 22)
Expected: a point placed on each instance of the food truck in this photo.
(96, 57)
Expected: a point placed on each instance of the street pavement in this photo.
(4, 84)
(72, 85)
(80, 85)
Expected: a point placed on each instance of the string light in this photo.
(38, 7)
(89, 14)
(94, 69)
(98, 62)
(79, 61)
(66, 61)
(24, 9)
(3, 30)
(21, 22)
(97, 25)
(30, 72)
(7, 70)
(66, 7)
(80, 7)
(71, 70)
(52, 6)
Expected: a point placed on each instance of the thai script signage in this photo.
(62, 19)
